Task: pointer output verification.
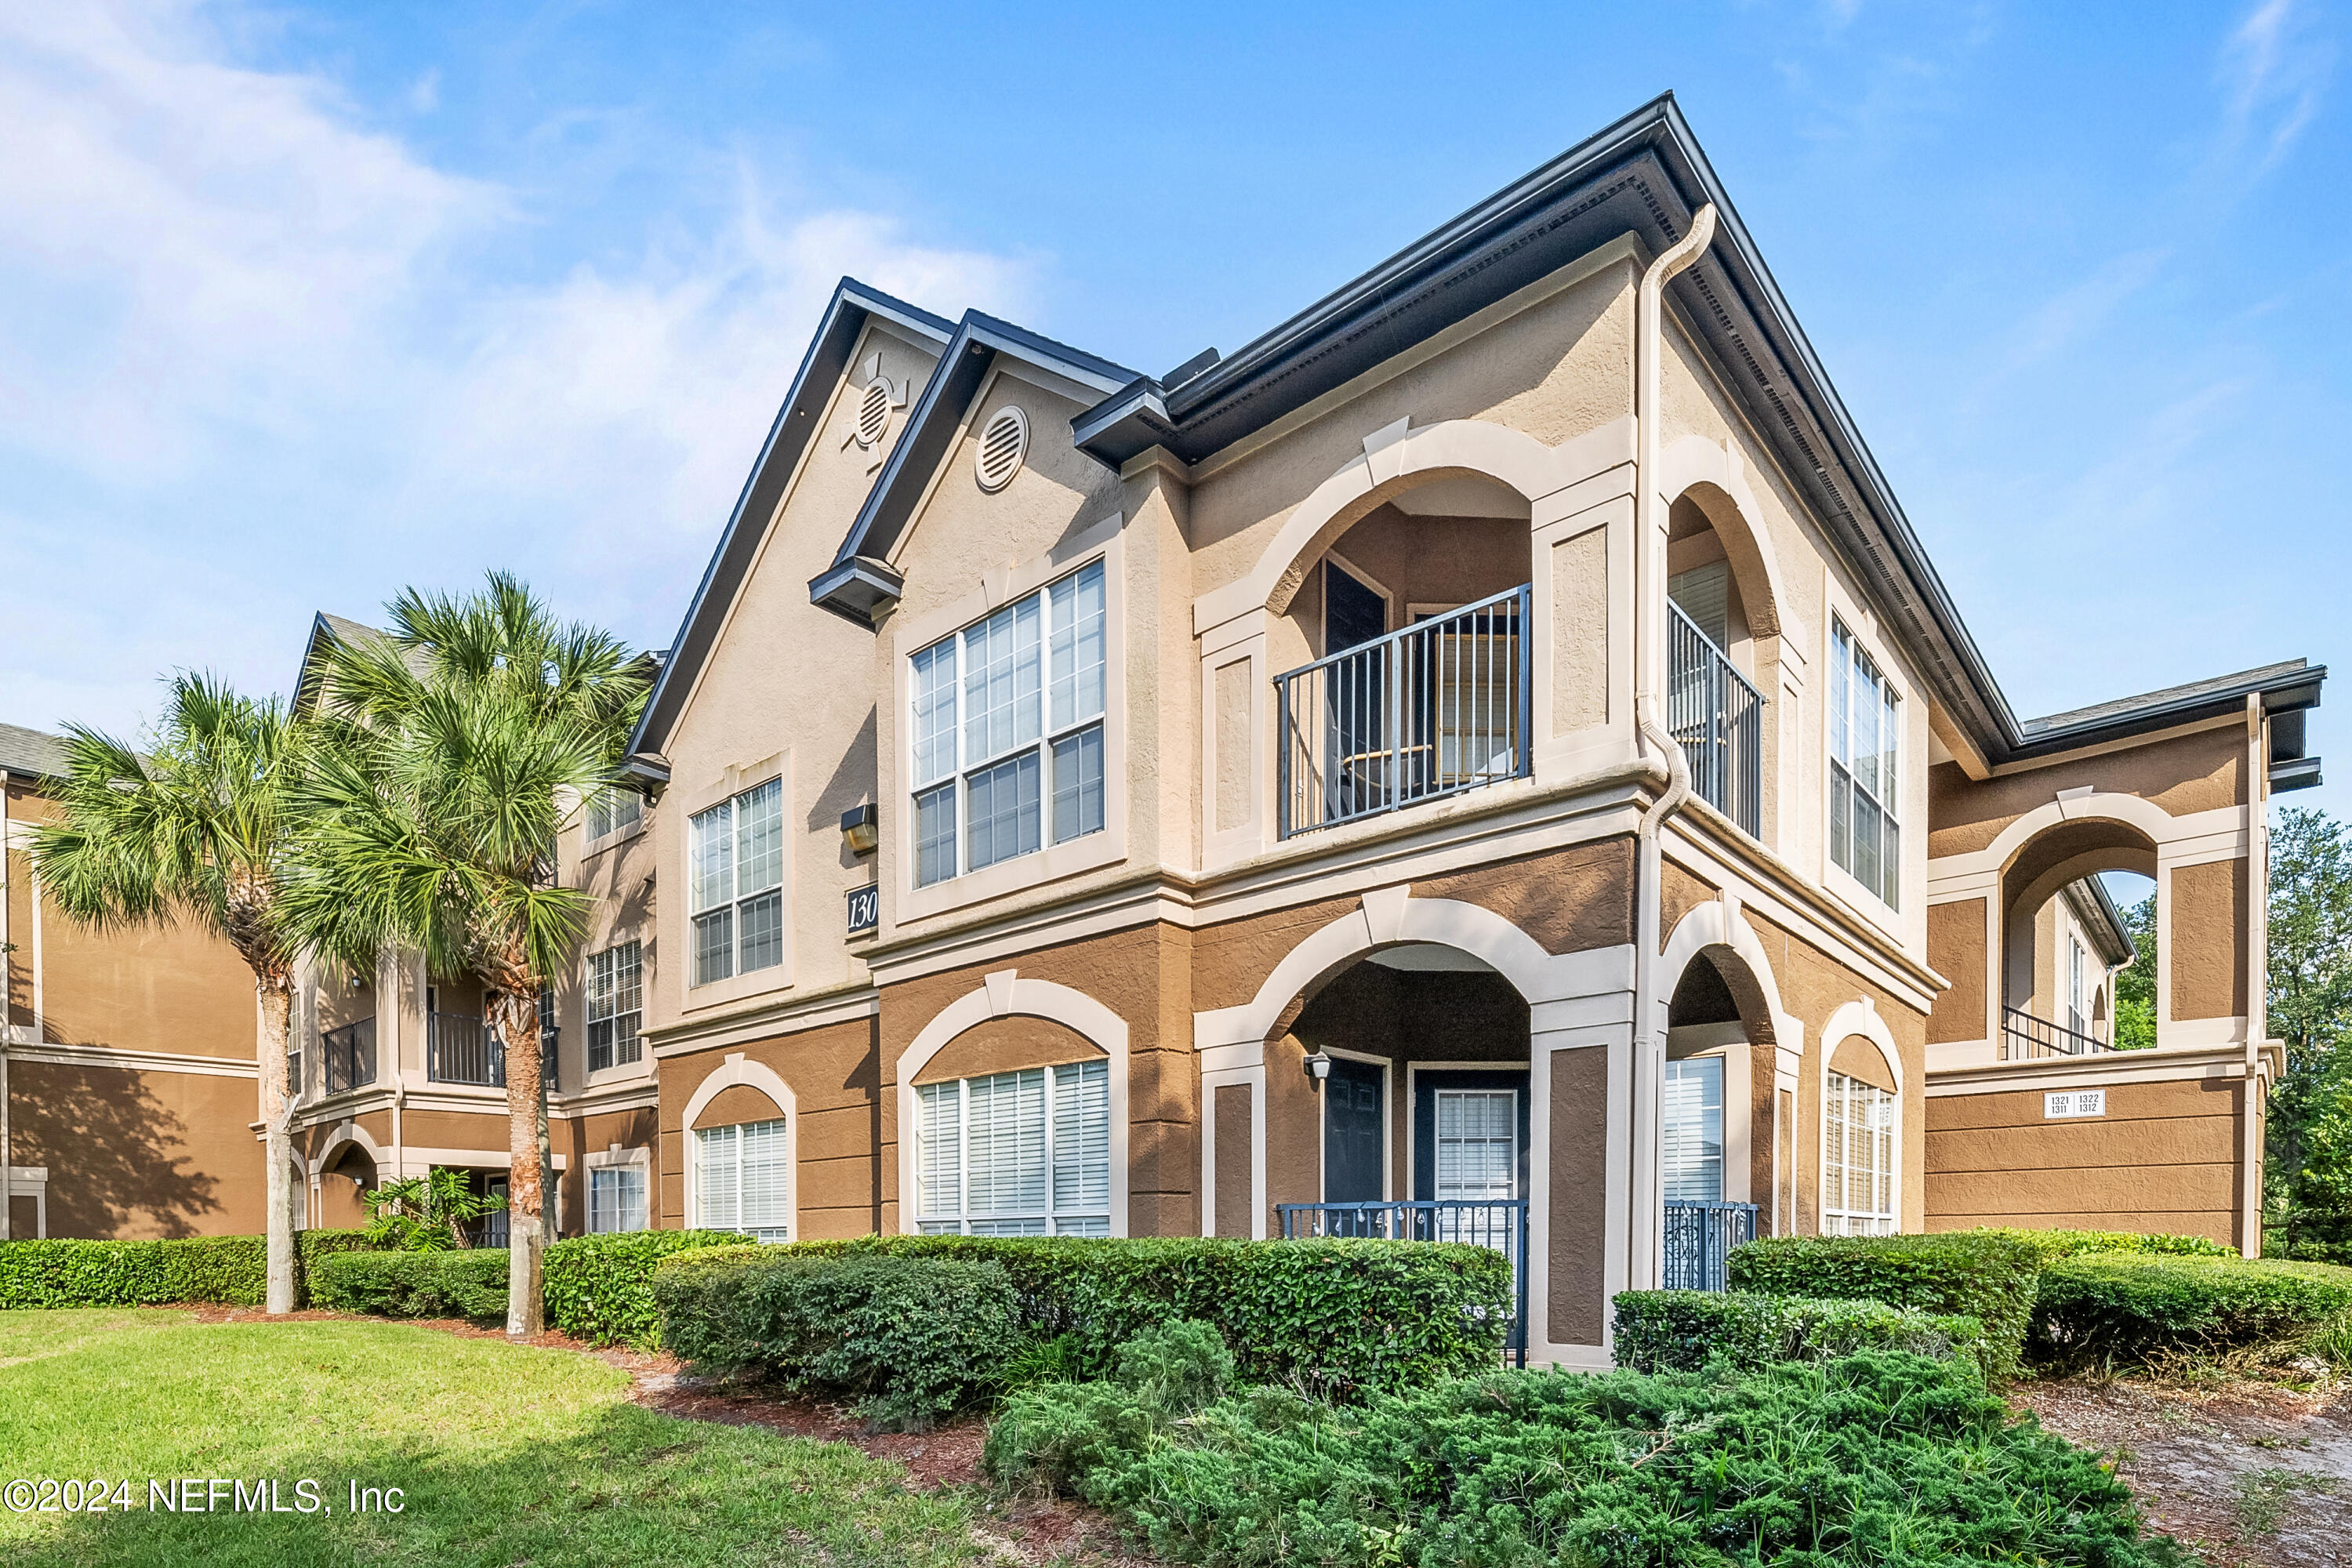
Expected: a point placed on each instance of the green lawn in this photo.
(506, 1456)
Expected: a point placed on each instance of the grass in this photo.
(2261, 1496)
(506, 1456)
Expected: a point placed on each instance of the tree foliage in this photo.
(2135, 1023)
(427, 1213)
(2309, 1151)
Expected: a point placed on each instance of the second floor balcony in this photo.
(460, 1049)
(1426, 712)
(1718, 719)
(347, 1056)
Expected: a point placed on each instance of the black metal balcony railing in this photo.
(463, 1050)
(1719, 718)
(347, 1056)
(2024, 1036)
(1426, 712)
(1697, 1242)
(1498, 1223)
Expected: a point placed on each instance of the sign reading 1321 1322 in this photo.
(865, 909)
(2074, 1102)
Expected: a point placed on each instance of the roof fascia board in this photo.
(825, 361)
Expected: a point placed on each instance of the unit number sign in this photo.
(2074, 1102)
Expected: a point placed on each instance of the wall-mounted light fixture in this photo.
(861, 828)
(1318, 1067)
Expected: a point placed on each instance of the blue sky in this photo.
(299, 304)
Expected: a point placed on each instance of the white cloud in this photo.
(242, 326)
(2273, 74)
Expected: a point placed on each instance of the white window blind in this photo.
(1703, 594)
(1007, 730)
(735, 876)
(1015, 1154)
(610, 810)
(615, 1006)
(1691, 1142)
(1865, 778)
(1477, 1142)
(742, 1180)
(1858, 1163)
(616, 1199)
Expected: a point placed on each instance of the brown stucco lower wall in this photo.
(836, 1136)
(577, 1137)
(2206, 941)
(134, 1155)
(1576, 1250)
(1956, 950)
(1234, 1111)
(2164, 1158)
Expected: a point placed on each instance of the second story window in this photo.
(610, 810)
(1866, 781)
(735, 865)
(1007, 728)
(617, 1000)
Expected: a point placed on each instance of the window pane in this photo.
(935, 832)
(939, 1149)
(1082, 1138)
(1890, 865)
(628, 981)
(1692, 1145)
(763, 1158)
(1078, 784)
(599, 1044)
(934, 682)
(1839, 680)
(1004, 812)
(1077, 646)
(716, 1178)
(600, 985)
(1841, 818)
(1003, 673)
(1889, 738)
(1004, 1143)
(759, 838)
(714, 946)
(711, 857)
(1863, 739)
(1866, 841)
(764, 933)
(1477, 1143)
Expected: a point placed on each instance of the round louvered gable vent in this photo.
(1003, 441)
(874, 411)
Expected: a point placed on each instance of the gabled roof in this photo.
(2286, 691)
(860, 580)
(31, 753)
(2095, 908)
(326, 629)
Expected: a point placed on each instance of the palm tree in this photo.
(195, 831)
(447, 752)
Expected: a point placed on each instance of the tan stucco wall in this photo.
(2205, 940)
(2202, 771)
(834, 1135)
(132, 1156)
(1956, 950)
(2164, 1158)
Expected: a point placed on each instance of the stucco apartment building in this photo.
(1488, 758)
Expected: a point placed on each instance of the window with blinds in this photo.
(1858, 1160)
(742, 1180)
(611, 809)
(616, 1199)
(735, 879)
(1691, 1139)
(1015, 1154)
(1865, 780)
(617, 1000)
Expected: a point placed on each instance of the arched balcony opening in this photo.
(1718, 615)
(2064, 939)
(1715, 1117)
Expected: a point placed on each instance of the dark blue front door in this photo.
(1354, 1135)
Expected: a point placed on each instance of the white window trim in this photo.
(1050, 862)
(1862, 629)
(617, 836)
(1856, 1019)
(736, 1068)
(617, 1158)
(1004, 994)
(680, 920)
(618, 1071)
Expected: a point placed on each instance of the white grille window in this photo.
(742, 1180)
(616, 1199)
(1007, 731)
(616, 1001)
(1858, 1159)
(1865, 723)
(735, 876)
(1692, 1137)
(610, 810)
(1015, 1154)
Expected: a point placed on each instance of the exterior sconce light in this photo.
(1318, 1067)
(860, 828)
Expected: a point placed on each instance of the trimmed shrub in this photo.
(1986, 1275)
(600, 1289)
(1177, 1367)
(1330, 1315)
(911, 1339)
(311, 1246)
(1685, 1331)
(466, 1284)
(231, 1270)
(2120, 1309)
(2051, 1245)
(1871, 1460)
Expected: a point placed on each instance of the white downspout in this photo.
(1649, 618)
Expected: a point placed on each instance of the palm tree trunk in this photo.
(276, 994)
(517, 1010)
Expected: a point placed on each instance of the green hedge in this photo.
(218, 1270)
(2118, 1310)
(2052, 1245)
(600, 1287)
(1338, 1316)
(1986, 1275)
(470, 1284)
(909, 1338)
(1686, 1330)
(1866, 1461)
